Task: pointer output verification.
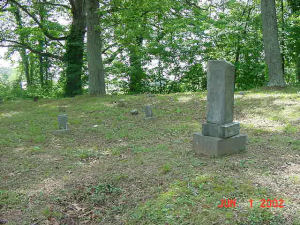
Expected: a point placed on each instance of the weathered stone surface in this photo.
(222, 131)
(148, 111)
(220, 135)
(3, 221)
(214, 146)
(122, 103)
(134, 112)
(63, 122)
(220, 94)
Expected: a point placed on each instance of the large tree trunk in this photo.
(298, 65)
(41, 65)
(22, 51)
(94, 49)
(137, 74)
(74, 50)
(271, 44)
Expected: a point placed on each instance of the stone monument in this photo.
(63, 122)
(148, 112)
(220, 135)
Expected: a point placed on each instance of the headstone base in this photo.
(150, 118)
(221, 131)
(214, 146)
(62, 131)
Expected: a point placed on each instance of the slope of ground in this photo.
(117, 168)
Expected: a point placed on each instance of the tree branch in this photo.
(3, 5)
(17, 44)
(108, 47)
(113, 56)
(47, 34)
(56, 4)
(192, 4)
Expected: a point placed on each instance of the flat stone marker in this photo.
(134, 112)
(220, 135)
(122, 103)
(148, 112)
(63, 122)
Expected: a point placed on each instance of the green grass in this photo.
(196, 201)
(128, 170)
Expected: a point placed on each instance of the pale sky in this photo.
(7, 63)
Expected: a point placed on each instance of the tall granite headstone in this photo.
(220, 135)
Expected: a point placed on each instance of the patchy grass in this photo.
(115, 168)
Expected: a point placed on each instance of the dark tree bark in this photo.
(74, 50)
(271, 44)
(94, 49)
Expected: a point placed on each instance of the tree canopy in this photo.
(66, 47)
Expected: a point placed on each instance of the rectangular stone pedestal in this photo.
(214, 146)
(221, 131)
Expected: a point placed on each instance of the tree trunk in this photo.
(298, 66)
(282, 43)
(136, 70)
(74, 50)
(240, 37)
(94, 49)
(41, 64)
(22, 51)
(25, 65)
(271, 44)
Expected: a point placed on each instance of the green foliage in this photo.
(259, 216)
(158, 46)
(10, 198)
(102, 192)
(196, 200)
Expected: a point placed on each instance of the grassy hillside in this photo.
(116, 168)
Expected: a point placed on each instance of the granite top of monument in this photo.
(220, 134)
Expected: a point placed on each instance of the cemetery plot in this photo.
(128, 170)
